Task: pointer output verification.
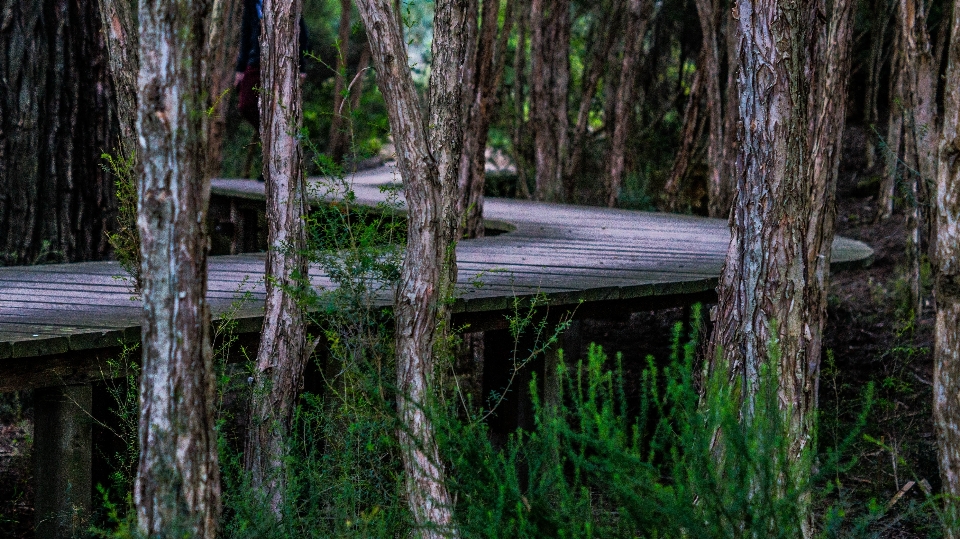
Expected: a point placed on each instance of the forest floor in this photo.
(870, 340)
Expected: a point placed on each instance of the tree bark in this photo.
(792, 88)
(119, 27)
(282, 353)
(57, 115)
(177, 490)
(639, 13)
(946, 379)
(337, 138)
(224, 34)
(689, 141)
(549, 87)
(520, 126)
(428, 159)
(481, 98)
(894, 136)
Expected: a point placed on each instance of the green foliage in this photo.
(125, 240)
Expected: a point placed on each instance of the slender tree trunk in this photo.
(282, 353)
(177, 490)
(481, 98)
(689, 139)
(639, 13)
(878, 32)
(550, 64)
(338, 138)
(718, 185)
(721, 199)
(946, 376)
(894, 137)
(428, 159)
(57, 115)
(607, 31)
(920, 130)
(120, 29)
(520, 128)
(224, 34)
(773, 285)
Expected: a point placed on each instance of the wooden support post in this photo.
(62, 454)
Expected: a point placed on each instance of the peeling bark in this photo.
(282, 353)
(177, 490)
(792, 91)
(946, 381)
(119, 27)
(428, 159)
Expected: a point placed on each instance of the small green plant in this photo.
(125, 240)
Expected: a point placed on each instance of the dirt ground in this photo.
(870, 341)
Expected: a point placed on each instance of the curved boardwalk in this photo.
(570, 253)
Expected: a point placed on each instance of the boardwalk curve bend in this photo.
(601, 256)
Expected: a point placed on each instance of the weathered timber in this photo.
(614, 261)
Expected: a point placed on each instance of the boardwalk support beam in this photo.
(62, 456)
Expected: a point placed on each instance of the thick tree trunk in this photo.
(282, 353)
(550, 66)
(428, 159)
(520, 127)
(120, 28)
(177, 490)
(224, 35)
(773, 285)
(57, 115)
(480, 99)
(639, 13)
(946, 377)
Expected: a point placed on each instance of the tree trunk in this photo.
(520, 127)
(480, 99)
(338, 138)
(773, 285)
(608, 29)
(224, 35)
(120, 28)
(722, 196)
(946, 377)
(57, 115)
(177, 490)
(920, 130)
(550, 66)
(428, 160)
(894, 137)
(282, 353)
(718, 184)
(878, 32)
(689, 141)
(639, 13)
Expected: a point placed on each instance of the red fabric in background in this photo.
(249, 99)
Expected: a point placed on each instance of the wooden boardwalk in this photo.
(569, 253)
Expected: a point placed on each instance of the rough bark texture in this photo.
(946, 381)
(792, 88)
(428, 159)
(224, 34)
(56, 118)
(120, 28)
(639, 13)
(480, 99)
(282, 353)
(550, 80)
(177, 490)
